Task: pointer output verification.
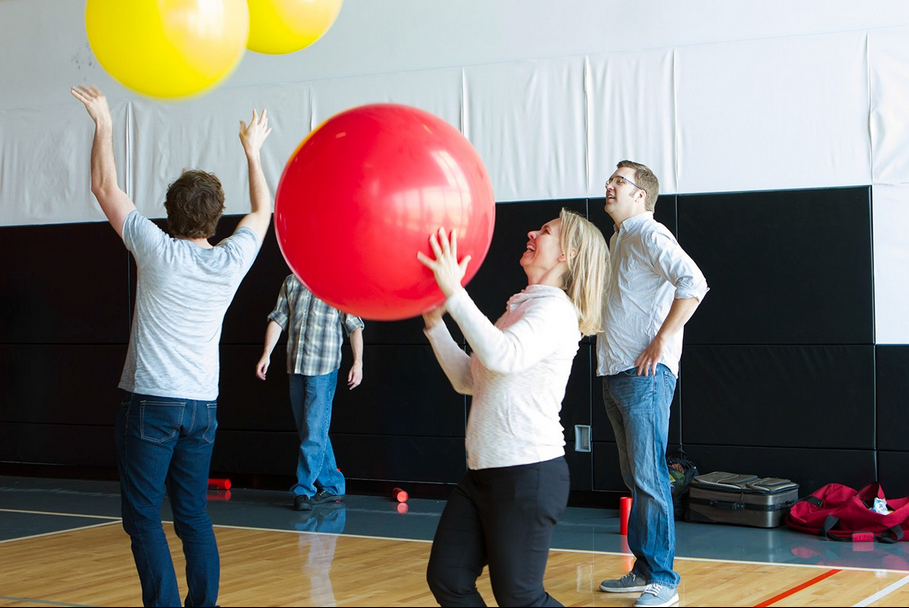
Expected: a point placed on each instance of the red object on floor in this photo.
(399, 495)
(624, 512)
(218, 484)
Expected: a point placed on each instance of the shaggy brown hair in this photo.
(194, 205)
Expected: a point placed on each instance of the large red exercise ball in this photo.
(361, 195)
(286, 26)
(168, 48)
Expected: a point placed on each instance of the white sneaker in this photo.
(656, 595)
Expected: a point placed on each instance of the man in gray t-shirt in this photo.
(166, 425)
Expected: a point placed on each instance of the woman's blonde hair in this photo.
(588, 269)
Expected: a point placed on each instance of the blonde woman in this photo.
(504, 509)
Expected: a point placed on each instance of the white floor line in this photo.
(616, 553)
(59, 514)
(101, 525)
(29, 600)
(883, 592)
(415, 540)
(406, 540)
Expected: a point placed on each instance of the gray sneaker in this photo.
(630, 583)
(658, 595)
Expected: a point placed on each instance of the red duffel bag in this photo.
(838, 512)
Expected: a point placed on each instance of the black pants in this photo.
(504, 518)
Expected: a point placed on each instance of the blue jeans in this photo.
(311, 398)
(638, 407)
(167, 443)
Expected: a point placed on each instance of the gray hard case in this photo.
(745, 500)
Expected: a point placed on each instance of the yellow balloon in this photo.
(286, 26)
(168, 48)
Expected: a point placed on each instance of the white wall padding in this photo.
(889, 58)
(528, 122)
(631, 105)
(435, 91)
(890, 210)
(45, 163)
(204, 134)
(774, 114)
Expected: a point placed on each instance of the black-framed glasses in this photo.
(621, 179)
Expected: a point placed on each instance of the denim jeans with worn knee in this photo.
(167, 443)
(638, 408)
(311, 399)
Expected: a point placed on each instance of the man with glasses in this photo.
(654, 289)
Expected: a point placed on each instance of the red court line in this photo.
(805, 585)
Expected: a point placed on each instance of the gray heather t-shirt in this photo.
(182, 295)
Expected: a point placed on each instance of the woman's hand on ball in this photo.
(447, 270)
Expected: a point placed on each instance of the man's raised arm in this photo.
(252, 137)
(114, 202)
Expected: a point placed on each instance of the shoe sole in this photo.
(622, 589)
(673, 601)
(329, 505)
(328, 501)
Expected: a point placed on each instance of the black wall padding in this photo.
(789, 267)
(576, 406)
(580, 467)
(892, 467)
(63, 284)
(780, 374)
(606, 473)
(247, 403)
(373, 457)
(779, 396)
(404, 393)
(892, 398)
(389, 457)
(246, 319)
(71, 445)
(60, 383)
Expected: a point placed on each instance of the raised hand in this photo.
(253, 135)
(446, 268)
(94, 102)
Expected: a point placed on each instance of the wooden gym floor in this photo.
(61, 544)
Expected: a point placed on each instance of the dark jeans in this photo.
(502, 517)
(164, 442)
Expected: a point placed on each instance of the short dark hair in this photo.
(194, 204)
(646, 180)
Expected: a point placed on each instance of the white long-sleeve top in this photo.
(517, 374)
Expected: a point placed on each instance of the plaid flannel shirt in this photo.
(313, 329)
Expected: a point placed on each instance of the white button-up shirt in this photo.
(649, 271)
